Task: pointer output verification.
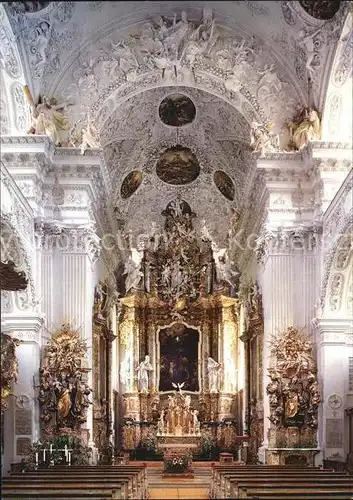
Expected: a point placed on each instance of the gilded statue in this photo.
(293, 391)
(306, 128)
(64, 393)
(9, 367)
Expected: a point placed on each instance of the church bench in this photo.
(135, 474)
(246, 489)
(123, 484)
(233, 485)
(72, 492)
(221, 475)
(221, 481)
(289, 495)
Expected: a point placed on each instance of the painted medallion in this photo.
(178, 166)
(225, 184)
(130, 184)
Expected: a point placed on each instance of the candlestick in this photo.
(44, 455)
(51, 449)
(69, 457)
(66, 452)
(36, 458)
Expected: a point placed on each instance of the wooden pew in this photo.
(228, 479)
(222, 472)
(120, 482)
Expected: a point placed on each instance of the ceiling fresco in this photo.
(177, 165)
(130, 184)
(177, 110)
(224, 184)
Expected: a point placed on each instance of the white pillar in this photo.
(76, 250)
(21, 420)
(333, 353)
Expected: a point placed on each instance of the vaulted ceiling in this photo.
(106, 59)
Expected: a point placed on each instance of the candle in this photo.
(69, 457)
(44, 455)
(66, 452)
(36, 457)
(51, 449)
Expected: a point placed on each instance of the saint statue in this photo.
(142, 374)
(47, 117)
(213, 370)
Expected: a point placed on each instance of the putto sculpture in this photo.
(64, 393)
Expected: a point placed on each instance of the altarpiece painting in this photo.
(178, 358)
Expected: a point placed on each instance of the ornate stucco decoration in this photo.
(64, 391)
(9, 367)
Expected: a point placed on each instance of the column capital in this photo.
(334, 331)
(69, 237)
(284, 240)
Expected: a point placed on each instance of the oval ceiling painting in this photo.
(177, 110)
(320, 9)
(130, 184)
(177, 165)
(225, 184)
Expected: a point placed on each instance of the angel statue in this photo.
(213, 370)
(142, 374)
(308, 129)
(262, 139)
(47, 117)
(90, 137)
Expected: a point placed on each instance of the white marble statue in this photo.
(142, 374)
(125, 374)
(133, 275)
(213, 370)
(161, 423)
(90, 137)
(187, 401)
(262, 139)
(196, 423)
(47, 118)
(225, 271)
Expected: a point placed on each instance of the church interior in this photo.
(176, 249)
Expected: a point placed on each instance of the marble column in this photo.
(76, 250)
(288, 280)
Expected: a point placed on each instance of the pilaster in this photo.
(335, 343)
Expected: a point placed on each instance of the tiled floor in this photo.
(172, 493)
(172, 488)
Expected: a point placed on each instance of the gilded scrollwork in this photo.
(293, 391)
(9, 367)
(64, 392)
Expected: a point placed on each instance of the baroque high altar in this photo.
(178, 337)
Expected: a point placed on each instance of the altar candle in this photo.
(66, 452)
(36, 458)
(51, 449)
(69, 457)
(44, 455)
